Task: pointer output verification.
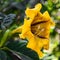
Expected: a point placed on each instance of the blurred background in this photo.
(12, 14)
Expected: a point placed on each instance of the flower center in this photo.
(39, 29)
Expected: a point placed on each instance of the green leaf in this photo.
(4, 38)
(18, 55)
(20, 46)
(3, 55)
(50, 2)
(24, 57)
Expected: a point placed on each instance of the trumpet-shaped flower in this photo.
(36, 29)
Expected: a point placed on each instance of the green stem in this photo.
(7, 34)
(0, 31)
(4, 38)
(59, 38)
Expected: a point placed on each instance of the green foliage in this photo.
(12, 14)
(3, 55)
(17, 50)
(20, 46)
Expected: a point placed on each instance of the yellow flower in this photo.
(36, 29)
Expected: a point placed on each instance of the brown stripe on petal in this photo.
(42, 37)
(39, 23)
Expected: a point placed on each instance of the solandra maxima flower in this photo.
(36, 29)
